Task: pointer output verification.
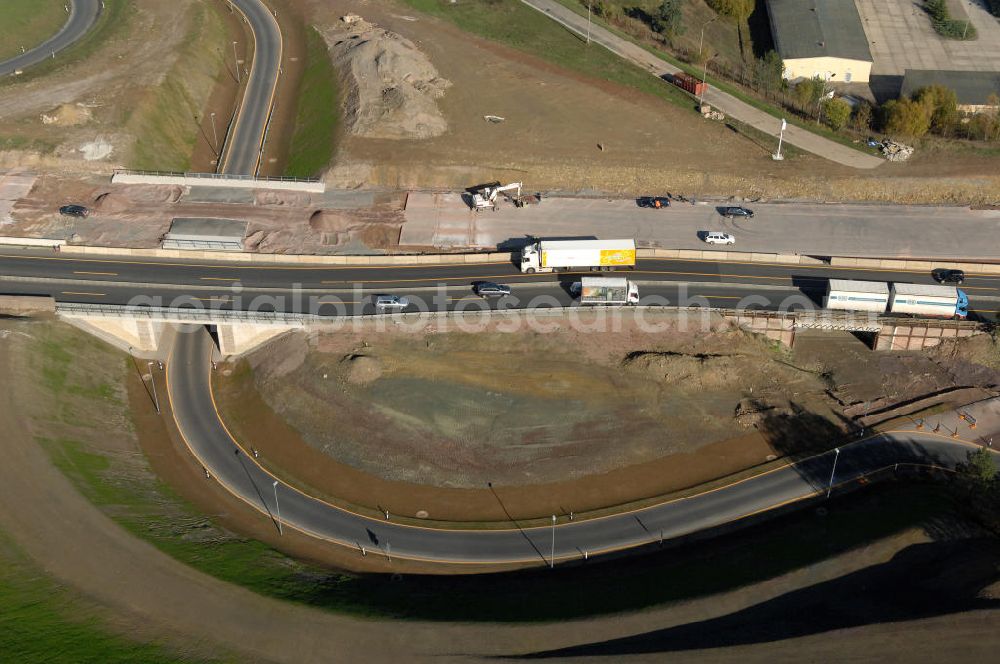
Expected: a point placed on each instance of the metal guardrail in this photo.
(213, 176)
(182, 315)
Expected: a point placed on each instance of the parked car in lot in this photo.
(734, 211)
(390, 303)
(74, 211)
(489, 289)
(715, 237)
(946, 276)
(656, 202)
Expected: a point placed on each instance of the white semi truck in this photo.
(593, 255)
(608, 291)
(925, 300)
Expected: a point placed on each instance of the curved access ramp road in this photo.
(189, 388)
(82, 16)
(241, 153)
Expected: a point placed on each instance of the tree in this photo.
(980, 468)
(667, 19)
(809, 91)
(836, 113)
(862, 120)
(905, 117)
(738, 9)
(941, 105)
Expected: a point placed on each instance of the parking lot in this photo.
(900, 37)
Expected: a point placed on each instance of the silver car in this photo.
(391, 303)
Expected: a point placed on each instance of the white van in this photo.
(715, 237)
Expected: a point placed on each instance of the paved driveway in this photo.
(444, 220)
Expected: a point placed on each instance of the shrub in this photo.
(905, 117)
(667, 19)
(862, 120)
(809, 91)
(836, 113)
(941, 104)
(945, 25)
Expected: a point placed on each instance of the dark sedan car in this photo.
(656, 202)
(737, 211)
(945, 276)
(74, 211)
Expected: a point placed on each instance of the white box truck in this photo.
(851, 295)
(552, 255)
(928, 300)
(608, 290)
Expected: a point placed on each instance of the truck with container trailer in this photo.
(850, 295)
(583, 255)
(608, 291)
(929, 301)
(924, 300)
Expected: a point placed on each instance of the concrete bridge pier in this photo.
(144, 335)
(238, 338)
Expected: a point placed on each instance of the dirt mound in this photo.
(291, 199)
(67, 115)
(392, 86)
(363, 369)
(683, 370)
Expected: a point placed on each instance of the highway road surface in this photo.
(83, 14)
(278, 287)
(189, 386)
(244, 142)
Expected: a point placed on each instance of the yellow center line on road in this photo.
(66, 292)
(103, 274)
(219, 278)
(221, 298)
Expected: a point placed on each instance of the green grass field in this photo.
(515, 24)
(43, 622)
(318, 113)
(28, 23)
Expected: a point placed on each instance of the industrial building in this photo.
(972, 88)
(820, 38)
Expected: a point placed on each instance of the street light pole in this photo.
(552, 558)
(215, 135)
(701, 40)
(704, 85)
(236, 60)
(777, 156)
(836, 456)
(152, 380)
(277, 507)
(588, 21)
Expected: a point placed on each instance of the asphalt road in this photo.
(188, 380)
(289, 288)
(83, 14)
(246, 137)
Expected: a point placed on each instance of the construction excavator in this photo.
(488, 195)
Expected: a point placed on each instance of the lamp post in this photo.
(236, 60)
(704, 85)
(152, 380)
(277, 507)
(588, 21)
(836, 456)
(552, 557)
(215, 135)
(701, 39)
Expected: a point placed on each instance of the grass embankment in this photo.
(317, 115)
(43, 622)
(515, 24)
(729, 88)
(122, 485)
(164, 121)
(27, 23)
(111, 24)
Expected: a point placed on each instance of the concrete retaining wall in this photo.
(32, 242)
(229, 182)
